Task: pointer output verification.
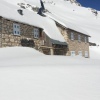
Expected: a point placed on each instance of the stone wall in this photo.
(8, 37)
(74, 45)
(47, 41)
(43, 43)
(0, 32)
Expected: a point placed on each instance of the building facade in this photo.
(13, 33)
(78, 43)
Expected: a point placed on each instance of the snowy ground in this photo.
(26, 74)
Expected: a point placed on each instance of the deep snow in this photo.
(26, 74)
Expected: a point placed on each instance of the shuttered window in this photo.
(72, 36)
(16, 29)
(79, 38)
(36, 33)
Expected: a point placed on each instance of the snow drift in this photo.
(28, 74)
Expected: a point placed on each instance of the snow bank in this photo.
(26, 76)
(95, 52)
(17, 52)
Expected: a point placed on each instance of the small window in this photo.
(18, 32)
(79, 38)
(36, 33)
(72, 36)
(72, 53)
(16, 29)
(85, 39)
(86, 54)
(17, 26)
(80, 53)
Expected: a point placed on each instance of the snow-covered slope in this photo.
(26, 74)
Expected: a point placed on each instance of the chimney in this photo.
(20, 11)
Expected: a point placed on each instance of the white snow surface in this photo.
(95, 52)
(26, 74)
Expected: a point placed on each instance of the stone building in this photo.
(21, 27)
(13, 33)
(78, 42)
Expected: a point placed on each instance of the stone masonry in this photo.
(7, 38)
(74, 45)
(0, 32)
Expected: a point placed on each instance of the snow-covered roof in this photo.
(66, 24)
(77, 18)
(10, 12)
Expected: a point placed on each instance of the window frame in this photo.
(16, 29)
(72, 35)
(79, 38)
(85, 39)
(72, 53)
(36, 33)
(80, 52)
(86, 54)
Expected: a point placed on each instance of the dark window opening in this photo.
(27, 43)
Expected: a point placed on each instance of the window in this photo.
(36, 33)
(80, 53)
(79, 38)
(72, 53)
(72, 36)
(85, 39)
(86, 54)
(16, 29)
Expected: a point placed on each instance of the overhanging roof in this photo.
(58, 42)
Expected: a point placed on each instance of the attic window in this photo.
(20, 11)
(36, 33)
(85, 38)
(72, 36)
(79, 38)
(16, 29)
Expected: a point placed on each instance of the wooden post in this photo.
(51, 51)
